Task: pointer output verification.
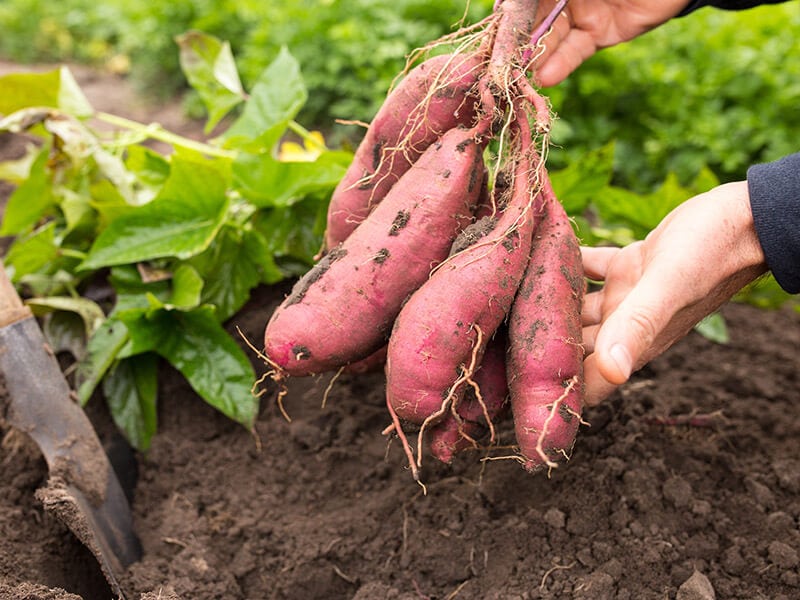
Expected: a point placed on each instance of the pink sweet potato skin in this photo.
(545, 356)
(436, 333)
(451, 435)
(410, 111)
(370, 364)
(517, 19)
(342, 310)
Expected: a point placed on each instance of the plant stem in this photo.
(68, 252)
(157, 132)
(305, 134)
(543, 27)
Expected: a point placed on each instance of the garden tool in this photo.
(83, 490)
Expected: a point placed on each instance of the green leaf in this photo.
(131, 392)
(234, 264)
(70, 96)
(80, 219)
(582, 181)
(196, 345)
(132, 291)
(65, 332)
(31, 253)
(294, 231)
(275, 100)
(713, 328)
(107, 202)
(266, 182)
(180, 222)
(57, 89)
(148, 165)
(187, 286)
(30, 200)
(211, 70)
(102, 351)
(641, 212)
(90, 313)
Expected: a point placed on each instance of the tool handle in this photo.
(12, 309)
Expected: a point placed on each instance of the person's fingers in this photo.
(553, 38)
(592, 311)
(596, 261)
(575, 48)
(631, 329)
(588, 337)
(596, 387)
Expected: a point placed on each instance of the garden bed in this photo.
(691, 466)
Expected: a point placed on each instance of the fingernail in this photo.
(622, 359)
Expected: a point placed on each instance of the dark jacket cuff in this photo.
(775, 201)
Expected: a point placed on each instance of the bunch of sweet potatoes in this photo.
(448, 257)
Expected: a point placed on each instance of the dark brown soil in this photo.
(326, 510)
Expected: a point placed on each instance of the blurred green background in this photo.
(716, 89)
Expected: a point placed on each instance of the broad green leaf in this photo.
(55, 279)
(640, 212)
(65, 332)
(714, 328)
(132, 291)
(131, 390)
(80, 219)
(266, 182)
(211, 70)
(105, 199)
(233, 265)
(57, 89)
(90, 313)
(102, 351)
(30, 201)
(196, 345)
(187, 286)
(294, 231)
(30, 253)
(148, 165)
(581, 182)
(70, 96)
(114, 169)
(180, 222)
(276, 98)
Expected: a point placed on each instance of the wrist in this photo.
(747, 251)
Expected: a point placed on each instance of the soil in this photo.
(684, 484)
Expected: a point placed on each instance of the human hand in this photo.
(586, 26)
(657, 289)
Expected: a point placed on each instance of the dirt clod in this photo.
(697, 587)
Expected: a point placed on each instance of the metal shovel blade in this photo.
(83, 491)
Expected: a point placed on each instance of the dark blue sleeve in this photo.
(729, 5)
(775, 202)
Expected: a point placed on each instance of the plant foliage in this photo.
(135, 255)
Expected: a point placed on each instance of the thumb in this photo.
(626, 339)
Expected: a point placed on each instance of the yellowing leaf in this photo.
(313, 146)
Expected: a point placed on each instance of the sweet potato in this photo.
(342, 310)
(514, 29)
(545, 356)
(484, 403)
(441, 332)
(433, 98)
